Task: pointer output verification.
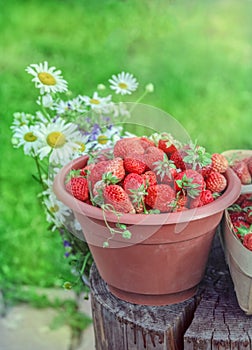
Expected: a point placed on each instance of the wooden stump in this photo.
(210, 320)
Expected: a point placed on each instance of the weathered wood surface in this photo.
(218, 321)
(210, 320)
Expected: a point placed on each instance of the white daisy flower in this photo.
(56, 212)
(77, 105)
(45, 101)
(58, 140)
(107, 138)
(40, 118)
(61, 107)
(21, 118)
(123, 83)
(47, 79)
(25, 136)
(96, 102)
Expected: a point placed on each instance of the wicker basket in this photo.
(239, 260)
(232, 155)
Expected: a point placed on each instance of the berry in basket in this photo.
(240, 214)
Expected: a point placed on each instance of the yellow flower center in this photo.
(102, 139)
(46, 78)
(123, 85)
(30, 137)
(56, 139)
(94, 101)
(54, 209)
(82, 147)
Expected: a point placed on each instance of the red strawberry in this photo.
(125, 147)
(133, 165)
(177, 158)
(248, 216)
(152, 155)
(86, 170)
(244, 197)
(115, 166)
(205, 171)
(216, 182)
(146, 143)
(149, 178)
(78, 187)
(247, 241)
(97, 171)
(160, 197)
(219, 163)
(237, 216)
(166, 144)
(180, 202)
(191, 182)
(132, 181)
(134, 186)
(240, 227)
(206, 197)
(118, 198)
(241, 169)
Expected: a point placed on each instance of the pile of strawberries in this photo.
(150, 175)
(243, 169)
(240, 214)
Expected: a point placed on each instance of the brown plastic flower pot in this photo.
(165, 258)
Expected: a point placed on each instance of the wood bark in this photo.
(210, 320)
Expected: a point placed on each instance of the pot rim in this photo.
(229, 196)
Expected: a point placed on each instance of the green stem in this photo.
(85, 263)
(39, 172)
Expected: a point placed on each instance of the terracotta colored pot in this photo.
(165, 258)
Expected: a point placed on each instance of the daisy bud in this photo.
(149, 87)
(101, 87)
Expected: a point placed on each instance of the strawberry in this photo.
(244, 197)
(97, 171)
(133, 165)
(205, 171)
(241, 169)
(190, 182)
(165, 170)
(126, 146)
(219, 163)
(78, 187)
(216, 182)
(132, 181)
(240, 227)
(149, 178)
(206, 197)
(160, 197)
(118, 198)
(86, 170)
(247, 241)
(180, 203)
(113, 166)
(177, 159)
(146, 143)
(134, 186)
(152, 155)
(166, 144)
(248, 216)
(237, 216)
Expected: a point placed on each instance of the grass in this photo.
(196, 53)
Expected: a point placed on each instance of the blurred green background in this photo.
(197, 53)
